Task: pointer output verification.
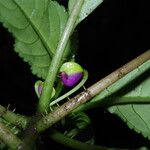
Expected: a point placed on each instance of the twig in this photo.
(86, 95)
(30, 133)
(57, 59)
(57, 136)
(81, 98)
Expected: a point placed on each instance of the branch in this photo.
(13, 118)
(57, 59)
(57, 136)
(9, 138)
(31, 134)
(54, 134)
(86, 95)
(81, 98)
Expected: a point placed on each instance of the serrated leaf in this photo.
(104, 98)
(37, 26)
(88, 7)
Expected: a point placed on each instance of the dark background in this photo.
(115, 33)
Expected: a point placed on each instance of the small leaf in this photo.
(37, 26)
(88, 7)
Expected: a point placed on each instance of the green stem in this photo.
(11, 117)
(85, 77)
(9, 138)
(56, 61)
(10, 126)
(71, 143)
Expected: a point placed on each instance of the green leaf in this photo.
(135, 115)
(88, 7)
(107, 96)
(37, 26)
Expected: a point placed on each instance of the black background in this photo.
(115, 33)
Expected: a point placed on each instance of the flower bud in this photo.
(39, 87)
(70, 73)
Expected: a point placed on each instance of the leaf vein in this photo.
(36, 30)
(140, 117)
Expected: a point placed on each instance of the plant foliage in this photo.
(128, 98)
(37, 26)
(135, 115)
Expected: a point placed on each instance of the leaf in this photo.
(135, 115)
(88, 7)
(107, 96)
(37, 26)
